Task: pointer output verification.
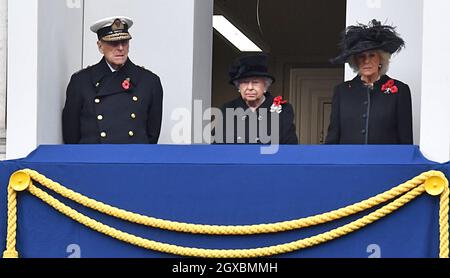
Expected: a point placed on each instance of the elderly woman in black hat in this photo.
(255, 116)
(372, 108)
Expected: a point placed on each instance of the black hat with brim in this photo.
(250, 66)
(374, 36)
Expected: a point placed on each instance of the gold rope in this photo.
(443, 223)
(11, 251)
(231, 230)
(212, 253)
(413, 188)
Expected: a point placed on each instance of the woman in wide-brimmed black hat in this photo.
(255, 116)
(372, 108)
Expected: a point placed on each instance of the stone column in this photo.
(435, 126)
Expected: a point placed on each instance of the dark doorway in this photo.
(297, 34)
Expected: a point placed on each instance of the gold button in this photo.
(20, 181)
(97, 100)
(97, 84)
(99, 117)
(131, 133)
(133, 116)
(435, 185)
(135, 98)
(103, 134)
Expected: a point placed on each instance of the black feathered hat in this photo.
(250, 66)
(374, 36)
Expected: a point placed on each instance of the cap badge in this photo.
(117, 25)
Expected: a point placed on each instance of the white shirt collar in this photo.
(110, 67)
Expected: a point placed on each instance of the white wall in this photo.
(22, 78)
(44, 49)
(435, 127)
(171, 38)
(406, 66)
(59, 56)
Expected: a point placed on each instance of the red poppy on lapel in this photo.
(126, 84)
(276, 106)
(389, 87)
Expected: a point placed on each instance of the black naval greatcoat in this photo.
(105, 107)
(261, 120)
(364, 115)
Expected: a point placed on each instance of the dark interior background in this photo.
(295, 34)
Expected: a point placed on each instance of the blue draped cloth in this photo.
(224, 185)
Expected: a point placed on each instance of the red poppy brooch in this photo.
(276, 106)
(389, 87)
(126, 84)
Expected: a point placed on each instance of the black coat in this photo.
(259, 119)
(100, 110)
(362, 115)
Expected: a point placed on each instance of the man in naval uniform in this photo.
(114, 101)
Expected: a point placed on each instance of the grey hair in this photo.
(267, 82)
(385, 59)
